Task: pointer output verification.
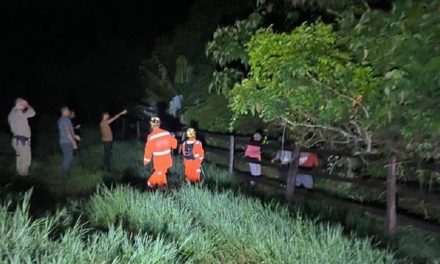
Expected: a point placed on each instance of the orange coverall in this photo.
(193, 161)
(158, 147)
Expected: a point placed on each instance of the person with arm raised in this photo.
(21, 139)
(107, 137)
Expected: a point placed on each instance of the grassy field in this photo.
(58, 238)
(216, 222)
(188, 225)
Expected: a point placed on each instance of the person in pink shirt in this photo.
(253, 152)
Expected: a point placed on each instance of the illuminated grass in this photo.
(25, 240)
(217, 227)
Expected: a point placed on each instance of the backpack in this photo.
(308, 160)
(188, 151)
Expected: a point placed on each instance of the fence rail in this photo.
(390, 185)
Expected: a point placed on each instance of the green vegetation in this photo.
(365, 82)
(86, 173)
(304, 79)
(190, 225)
(208, 110)
(409, 245)
(354, 76)
(213, 222)
(56, 239)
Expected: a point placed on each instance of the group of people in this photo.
(69, 138)
(158, 149)
(284, 157)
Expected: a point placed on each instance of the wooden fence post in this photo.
(138, 129)
(291, 176)
(391, 197)
(231, 153)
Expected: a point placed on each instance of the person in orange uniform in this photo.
(193, 155)
(158, 148)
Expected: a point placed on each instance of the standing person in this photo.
(158, 148)
(253, 151)
(193, 155)
(284, 156)
(67, 138)
(21, 139)
(306, 160)
(107, 136)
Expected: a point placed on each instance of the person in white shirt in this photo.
(284, 156)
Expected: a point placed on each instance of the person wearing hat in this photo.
(21, 140)
(193, 155)
(253, 152)
(158, 148)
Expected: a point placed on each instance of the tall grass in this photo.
(218, 176)
(26, 240)
(186, 225)
(217, 227)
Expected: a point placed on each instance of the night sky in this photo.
(79, 52)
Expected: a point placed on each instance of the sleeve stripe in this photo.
(163, 134)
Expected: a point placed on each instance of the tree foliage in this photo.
(304, 79)
(190, 40)
(372, 84)
(402, 46)
(227, 50)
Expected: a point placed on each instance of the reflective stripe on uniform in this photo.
(147, 160)
(196, 155)
(161, 153)
(193, 142)
(163, 134)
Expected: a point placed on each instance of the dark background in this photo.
(81, 53)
